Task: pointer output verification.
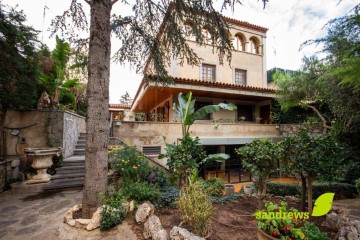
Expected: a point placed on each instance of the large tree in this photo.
(18, 61)
(153, 30)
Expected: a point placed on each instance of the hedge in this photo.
(284, 189)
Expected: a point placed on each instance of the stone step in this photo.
(67, 175)
(64, 168)
(69, 184)
(67, 171)
(79, 146)
(79, 152)
(74, 159)
(82, 135)
(82, 138)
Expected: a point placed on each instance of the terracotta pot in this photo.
(261, 235)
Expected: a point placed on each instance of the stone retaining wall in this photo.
(47, 128)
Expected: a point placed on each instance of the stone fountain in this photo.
(42, 160)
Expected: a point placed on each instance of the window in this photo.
(239, 42)
(207, 36)
(254, 45)
(208, 72)
(152, 150)
(240, 77)
(188, 32)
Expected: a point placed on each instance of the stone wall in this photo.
(287, 130)
(73, 126)
(152, 134)
(44, 128)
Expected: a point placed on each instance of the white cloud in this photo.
(290, 23)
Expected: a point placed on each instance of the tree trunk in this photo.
(97, 121)
(310, 195)
(303, 194)
(319, 115)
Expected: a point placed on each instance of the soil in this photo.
(231, 221)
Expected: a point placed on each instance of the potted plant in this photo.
(242, 118)
(248, 189)
(273, 224)
(140, 116)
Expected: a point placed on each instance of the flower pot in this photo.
(261, 235)
(229, 189)
(248, 190)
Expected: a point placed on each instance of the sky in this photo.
(290, 23)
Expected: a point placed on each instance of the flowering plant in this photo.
(131, 164)
(280, 223)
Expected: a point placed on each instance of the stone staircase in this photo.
(71, 174)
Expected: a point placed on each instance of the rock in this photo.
(333, 221)
(144, 211)
(83, 221)
(154, 230)
(95, 220)
(71, 223)
(131, 205)
(69, 214)
(178, 233)
(352, 234)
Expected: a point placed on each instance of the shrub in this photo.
(131, 164)
(225, 199)
(260, 157)
(184, 157)
(113, 212)
(214, 187)
(168, 197)
(357, 184)
(342, 189)
(141, 192)
(279, 227)
(312, 232)
(282, 189)
(195, 207)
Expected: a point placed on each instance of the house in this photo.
(243, 83)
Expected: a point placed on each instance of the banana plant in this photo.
(186, 110)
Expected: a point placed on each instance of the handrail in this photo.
(148, 158)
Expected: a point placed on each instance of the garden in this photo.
(182, 198)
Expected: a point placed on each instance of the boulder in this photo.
(154, 230)
(144, 211)
(95, 220)
(178, 233)
(69, 214)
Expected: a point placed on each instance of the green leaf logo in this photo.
(323, 204)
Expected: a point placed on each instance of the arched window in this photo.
(207, 36)
(187, 29)
(254, 45)
(239, 42)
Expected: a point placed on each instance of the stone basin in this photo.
(42, 160)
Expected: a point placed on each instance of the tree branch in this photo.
(319, 115)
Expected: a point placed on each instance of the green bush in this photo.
(214, 187)
(195, 208)
(357, 184)
(113, 212)
(342, 189)
(131, 164)
(282, 189)
(168, 197)
(141, 192)
(225, 199)
(312, 232)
